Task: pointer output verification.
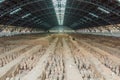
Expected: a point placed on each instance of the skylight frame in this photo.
(60, 6)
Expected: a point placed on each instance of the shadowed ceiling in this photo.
(42, 14)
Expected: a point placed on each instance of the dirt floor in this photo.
(59, 57)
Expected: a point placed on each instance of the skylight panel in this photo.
(88, 18)
(37, 20)
(26, 15)
(103, 10)
(15, 11)
(33, 18)
(2, 1)
(59, 6)
(118, 0)
(94, 15)
(83, 20)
